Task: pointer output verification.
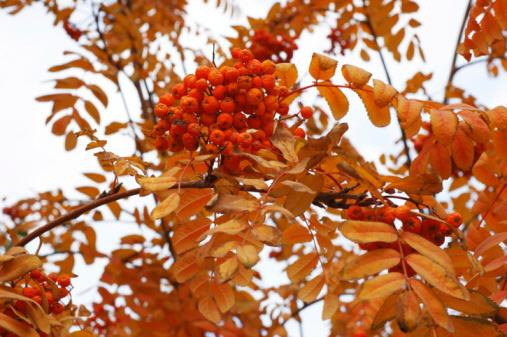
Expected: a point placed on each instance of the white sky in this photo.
(34, 160)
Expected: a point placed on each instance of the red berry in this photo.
(210, 105)
(189, 141)
(300, 133)
(63, 280)
(254, 96)
(245, 138)
(161, 110)
(217, 137)
(202, 72)
(189, 104)
(454, 219)
(306, 112)
(215, 77)
(227, 105)
(167, 99)
(224, 121)
(354, 212)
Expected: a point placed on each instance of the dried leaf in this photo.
(382, 286)
(355, 75)
(312, 289)
(18, 267)
(370, 263)
(433, 305)
(322, 67)
(368, 231)
(166, 207)
(302, 267)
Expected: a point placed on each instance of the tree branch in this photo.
(454, 69)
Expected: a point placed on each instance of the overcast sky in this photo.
(34, 160)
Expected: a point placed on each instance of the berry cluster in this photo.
(47, 290)
(268, 46)
(72, 30)
(338, 40)
(219, 110)
(433, 230)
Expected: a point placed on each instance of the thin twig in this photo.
(453, 70)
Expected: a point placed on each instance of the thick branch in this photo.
(454, 69)
(330, 199)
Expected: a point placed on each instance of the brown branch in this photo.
(75, 213)
(298, 310)
(454, 69)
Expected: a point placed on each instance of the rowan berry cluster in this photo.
(47, 290)
(218, 111)
(276, 47)
(338, 41)
(432, 230)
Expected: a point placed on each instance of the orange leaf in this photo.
(428, 249)
(368, 231)
(92, 111)
(382, 286)
(424, 184)
(302, 267)
(312, 289)
(18, 267)
(440, 160)
(437, 276)
(287, 73)
(185, 267)
(322, 67)
(383, 93)
(296, 233)
(378, 115)
(208, 308)
(462, 150)
(370, 263)
(355, 75)
(188, 235)
(336, 99)
(408, 311)
(224, 296)
(433, 305)
(409, 114)
(479, 305)
(193, 201)
(443, 125)
(166, 207)
(18, 328)
(115, 127)
(247, 255)
(490, 242)
(331, 304)
(60, 125)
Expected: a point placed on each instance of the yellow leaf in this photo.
(257, 183)
(296, 233)
(335, 98)
(443, 125)
(428, 249)
(479, 305)
(424, 184)
(227, 268)
(370, 263)
(437, 276)
(188, 235)
(409, 114)
(368, 231)
(247, 255)
(408, 311)
(435, 308)
(224, 296)
(231, 227)
(322, 67)
(208, 308)
(18, 267)
(382, 286)
(18, 328)
(378, 115)
(166, 207)
(383, 93)
(154, 184)
(312, 289)
(355, 75)
(287, 73)
(302, 267)
(285, 141)
(331, 304)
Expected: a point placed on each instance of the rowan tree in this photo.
(237, 158)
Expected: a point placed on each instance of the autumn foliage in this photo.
(242, 161)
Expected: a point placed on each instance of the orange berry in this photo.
(219, 92)
(178, 128)
(189, 81)
(254, 96)
(300, 133)
(402, 212)
(245, 55)
(202, 72)
(254, 122)
(227, 105)
(161, 110)
(215, 77)
(57, 308)
(63, 280)
(189, 104)
(354, 212)
(306, 112)
(231, 74)
(30, 292)
(228, 148)
(454, 219)
(211, 148)
(224, 121)
(239, 121)
(210, 105)
(49, 296)
(268, 82)
(201, 84)
(167, 99)
(244, 82)
(412, 224)
(236, 52)
(268, 67)
(161, 143)
(217, 137)
(37, 274)
(179, 90)
(189, 141)
(257, 82)
(283, 109)
(245, 138)
(53, 277)
(208, 119)
(194, 129)
(196, 93)
(254, 66)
